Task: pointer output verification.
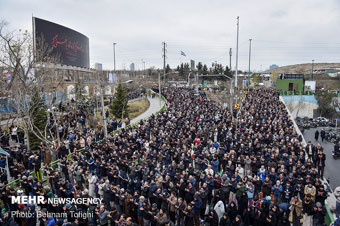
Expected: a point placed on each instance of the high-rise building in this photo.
(98, 66)
(132, 67)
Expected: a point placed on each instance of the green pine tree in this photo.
(119, 105)
(228, 72)
(39, 119)
(205, 70)
(167, 69)
(199, 67)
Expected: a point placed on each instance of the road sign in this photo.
(237, 106)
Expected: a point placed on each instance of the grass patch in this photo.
(138, 107)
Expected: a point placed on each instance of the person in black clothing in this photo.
(321, 195)
(320, 162)
(180, 207)
(322, 134)
(307, 209)
(248, 216)
(238, 221)
(319, 213)
(225, 220)
(316, 135)
(232, 211)
(190, 193)
(212, 218)
(284, 221)
(270, 219)
(189, 216)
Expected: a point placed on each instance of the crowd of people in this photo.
(192, 164)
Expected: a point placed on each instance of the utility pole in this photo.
(196, 81)
(231, 86)
(230, 59)
(143, 65)
(114, 57)
(164, 66)
(249, 63)
(236, 70)
(312, 69)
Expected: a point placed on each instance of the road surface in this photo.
(332, 169)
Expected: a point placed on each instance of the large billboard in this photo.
(70, 45)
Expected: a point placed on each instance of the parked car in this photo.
(322, 119)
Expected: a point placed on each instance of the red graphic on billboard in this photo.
(69, 45)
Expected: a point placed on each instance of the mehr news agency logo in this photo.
(36, 200)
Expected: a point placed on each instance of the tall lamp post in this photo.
(236, 70)
(143, 66)
(312, 69)
(114, 57)
(249, 63)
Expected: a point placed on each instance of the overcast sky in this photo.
(284, 32)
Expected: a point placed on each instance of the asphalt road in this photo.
(332, 169)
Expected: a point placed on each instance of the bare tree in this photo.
(28, 68)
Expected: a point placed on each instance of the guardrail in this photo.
(17, 182)
(329, 216)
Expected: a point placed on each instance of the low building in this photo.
(290, 82)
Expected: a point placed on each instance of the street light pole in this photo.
(114, 56)
(159, 89)
(312, 69)
(236, 71)
(143, 66)
(230, 59)
(164, 67)
(249, 63)
(103, 110)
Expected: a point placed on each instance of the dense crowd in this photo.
(135, 93)
(189, 165)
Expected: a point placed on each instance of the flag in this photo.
(183, 54)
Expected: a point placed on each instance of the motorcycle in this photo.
(336, 151)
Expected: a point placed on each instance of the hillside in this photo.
(303, 68)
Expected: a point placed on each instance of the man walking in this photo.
(322, 134)
(316, 135)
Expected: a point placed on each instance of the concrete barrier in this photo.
(298, 131)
